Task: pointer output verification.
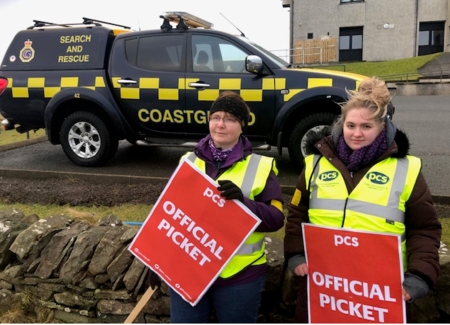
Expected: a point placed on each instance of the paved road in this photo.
(424, 118)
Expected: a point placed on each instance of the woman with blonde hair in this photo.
(364, 140)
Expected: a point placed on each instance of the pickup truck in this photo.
(92, 84)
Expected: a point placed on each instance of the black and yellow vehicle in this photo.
(93, 84)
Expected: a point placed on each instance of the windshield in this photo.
(279, 61)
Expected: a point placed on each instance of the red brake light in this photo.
(3, 84)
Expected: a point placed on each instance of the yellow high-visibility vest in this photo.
(376, 204)
(250, 175)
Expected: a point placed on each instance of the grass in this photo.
(12, 136)
(125, 212)
(28, 310)
(399, 70)
(445, 230)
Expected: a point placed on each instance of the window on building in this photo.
(345, 1)
(431, 37)
(344, 42)
(350, 44)
(357, 42)
(310, 35)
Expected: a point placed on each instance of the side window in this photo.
(215, 54)
(157, 53)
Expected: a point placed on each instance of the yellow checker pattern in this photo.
(39, 83)
(210, 94)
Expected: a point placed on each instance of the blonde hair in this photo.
(371, 94)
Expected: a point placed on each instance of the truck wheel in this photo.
(86, 140)
(297, 141)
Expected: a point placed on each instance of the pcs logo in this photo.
(377, 178)
(328, 176)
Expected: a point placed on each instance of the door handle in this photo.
(126, 82)
(199, 85)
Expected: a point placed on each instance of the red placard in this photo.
(192, 232)
(354, 276)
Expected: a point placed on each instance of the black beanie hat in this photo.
(232, 103)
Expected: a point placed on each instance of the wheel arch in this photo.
(314, 100)
(71, 100)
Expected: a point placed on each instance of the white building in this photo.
(373, 30)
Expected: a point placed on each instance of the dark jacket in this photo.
(423, 229)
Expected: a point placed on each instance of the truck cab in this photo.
(100, 84)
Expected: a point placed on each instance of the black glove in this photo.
(153, 280)
(230, 191)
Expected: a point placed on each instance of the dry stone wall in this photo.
(85, 273)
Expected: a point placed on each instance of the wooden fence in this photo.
(314, 51)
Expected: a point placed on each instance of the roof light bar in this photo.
(190, 20)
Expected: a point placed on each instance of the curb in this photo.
(106, 179)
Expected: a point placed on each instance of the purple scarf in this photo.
(218, 154)
(354, 160)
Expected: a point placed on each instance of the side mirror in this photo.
(253, 64)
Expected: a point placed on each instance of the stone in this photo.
(114, 307)
(133, 274)
(110, 294)
(118, 283)
(81, 253)
(141, 281)
(106, 250)
(102, 278)
(128, 235)
(109, 221)
(54, 253)
(10, 227)
(72, 318)
(26, 240)
(89, 283)
(15, 271)
(74, 300)
(11, 215)
(120, 264)
(55, 287)
(157, 305)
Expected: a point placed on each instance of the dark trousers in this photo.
(232, 304)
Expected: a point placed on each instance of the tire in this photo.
(297, 139)
(86, 140)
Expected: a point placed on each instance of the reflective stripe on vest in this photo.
(376, 204)
(250, 175)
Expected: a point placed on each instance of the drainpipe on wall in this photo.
(291, 40)
(447, 30)
(416, 18)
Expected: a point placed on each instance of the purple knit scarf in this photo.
(218, 154)
(362, 156)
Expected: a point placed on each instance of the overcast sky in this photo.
(265, 22)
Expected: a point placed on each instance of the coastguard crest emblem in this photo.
(27, 53)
